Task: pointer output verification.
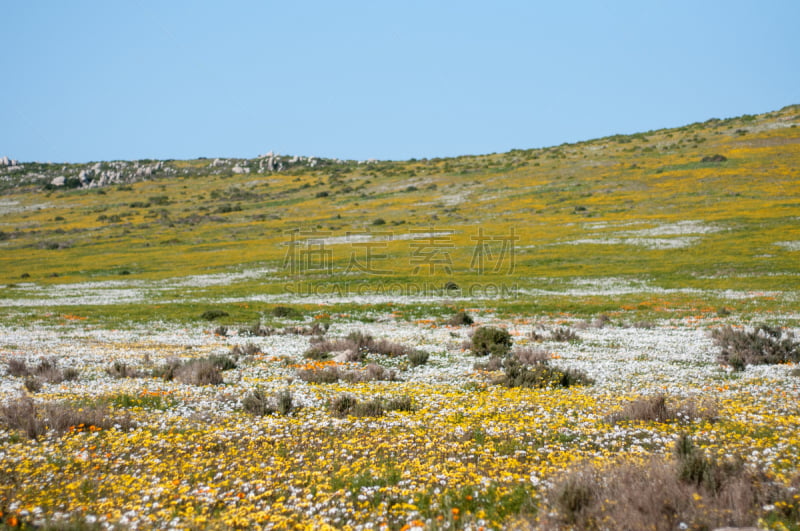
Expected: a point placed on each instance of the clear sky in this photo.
(104, 80)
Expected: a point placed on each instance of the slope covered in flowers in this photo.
(469, 454)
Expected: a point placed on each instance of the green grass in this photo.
(604, 189)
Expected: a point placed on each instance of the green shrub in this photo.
(461, 319)
(285, 312)
(222, 362)
(418, 357)
(489, 340)
(347, 405)
(210, 315)
(33, 384)
(542, 375)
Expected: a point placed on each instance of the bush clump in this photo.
(285, 312)
(658, 409)
(688, 491)
(418, 357)
(564, 333)
(35, 420)
(760, 346)
(120, 369)
(461, 319)
(332, 373)
(354, 347)
(45, 371)
(204, 371)
(489, 340)
(256, 402)
(347, 405)
(210, 315)
(539, 376)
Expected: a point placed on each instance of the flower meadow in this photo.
(466, 453)
(636, 367)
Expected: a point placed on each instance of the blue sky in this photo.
(100, 80)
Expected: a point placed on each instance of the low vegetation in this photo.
(690, 491)
(759, 346)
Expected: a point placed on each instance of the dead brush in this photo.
(658, 409)
(45, 371)
(530, 356)
(315, 330)
(257, 402)
(564, 334)
(35, 420)
(662, 494)
(18, 368)
(198, 372)
(120, 369)
(332, 373)
(246, 350)
(762, 345)
(347, 405)
(494, 363)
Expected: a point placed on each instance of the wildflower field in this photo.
(313, 361)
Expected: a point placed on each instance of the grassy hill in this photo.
(691, 219)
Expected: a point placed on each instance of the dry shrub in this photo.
(257, 329)
(418, 357)
(120, 369)
(315, 330)
(660, 494)
(32, 384)
(34, 420)
(198, 372)
(348, 405)
(356, 344)
(388, 348)
(256, 402)
(47, 370)
(530, 356)
(657, 409)
(495, 363)
(564, 333)
(460, 319)
(329, 374)
(17, 367)
(763, 345)
(375, 372)
(248, 349)
(332, 374)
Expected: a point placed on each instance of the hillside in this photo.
(705, 213)
(602, 332)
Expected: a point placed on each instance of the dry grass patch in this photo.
(762, 345)
(334, 373)
(659, 409)
(35, 420)
(688, 491)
